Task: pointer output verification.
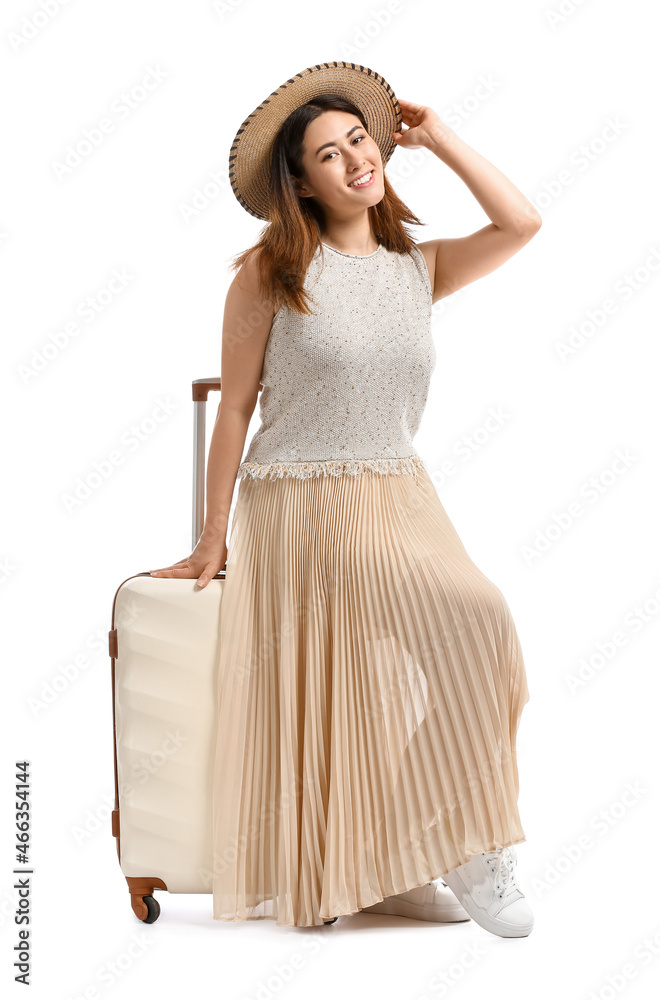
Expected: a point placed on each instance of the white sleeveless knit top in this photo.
(344, 388)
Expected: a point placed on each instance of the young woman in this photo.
(370, 677)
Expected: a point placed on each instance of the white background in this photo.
(535, 88)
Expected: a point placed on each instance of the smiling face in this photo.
(337, 150)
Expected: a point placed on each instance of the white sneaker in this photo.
(433, 901)
(486, 887)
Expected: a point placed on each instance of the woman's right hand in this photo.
(207, 558)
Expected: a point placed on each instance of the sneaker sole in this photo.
(405, 908)
(484, 920)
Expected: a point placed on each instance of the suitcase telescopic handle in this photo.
(201, 388)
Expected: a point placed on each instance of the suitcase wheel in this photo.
(153, 909)
(144, 906)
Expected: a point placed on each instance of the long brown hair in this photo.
(293, 234)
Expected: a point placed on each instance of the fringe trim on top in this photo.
(332, 467)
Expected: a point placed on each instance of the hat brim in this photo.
(249, 157)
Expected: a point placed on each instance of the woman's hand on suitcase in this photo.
(206, 559)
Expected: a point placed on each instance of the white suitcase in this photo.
(163, 645)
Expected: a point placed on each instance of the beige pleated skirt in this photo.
(370, 686)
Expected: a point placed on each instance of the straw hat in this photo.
(249, 157)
